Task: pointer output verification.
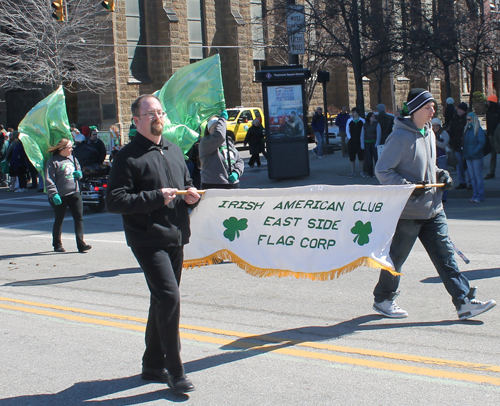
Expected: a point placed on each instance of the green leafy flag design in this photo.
(190, 97)
(233, 227)
(362, 230)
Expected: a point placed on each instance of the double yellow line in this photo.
(482, 373)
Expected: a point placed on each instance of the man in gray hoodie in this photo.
(409, 157)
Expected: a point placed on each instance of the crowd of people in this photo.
(16, 170)
(149, 172)
(461, 142)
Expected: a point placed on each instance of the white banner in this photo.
(315, 232)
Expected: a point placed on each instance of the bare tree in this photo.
(476, 44)
(361, 33)
(37, 50)
(275, 22)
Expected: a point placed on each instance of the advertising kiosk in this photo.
(285, 120)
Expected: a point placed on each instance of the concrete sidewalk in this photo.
(335, 170)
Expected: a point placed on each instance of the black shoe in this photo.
(489, 176)
(84, 248)
(461, 186)
(180, 384)
(154, 374)
(39, 191)
(33, 187)
(469, 187)
(59, 249)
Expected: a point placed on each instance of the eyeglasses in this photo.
(152, 114)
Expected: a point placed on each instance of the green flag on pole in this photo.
(191, 96)
(43, 127)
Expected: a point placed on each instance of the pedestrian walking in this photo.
(354, 133)
(254, 138)
(386, 123)
(318, 126)
(409, 156)
(456, 134)
(341, 122)
(221, 163)
(492, 122)
(474, 142)
(442, 144)
(369, 142)
(142, 186)
(62, 173)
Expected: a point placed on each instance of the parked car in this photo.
(240, 119)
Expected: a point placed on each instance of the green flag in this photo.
(43, 127)
(192, 95)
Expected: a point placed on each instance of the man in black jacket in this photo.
(456, 133)
(492, 122)
(98, 145)
(142, 187)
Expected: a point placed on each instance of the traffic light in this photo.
(58, 14)
(109, 5)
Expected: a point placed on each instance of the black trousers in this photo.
(254, 159)
(162, 268)
(74, 202)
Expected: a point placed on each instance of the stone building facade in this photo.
(150, 40)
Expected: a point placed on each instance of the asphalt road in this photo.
(72, 324)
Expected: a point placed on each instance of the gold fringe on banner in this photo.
(219, 256)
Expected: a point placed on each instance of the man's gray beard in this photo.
(154, 129)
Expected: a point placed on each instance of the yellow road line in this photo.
(354, 361)
(275, 348)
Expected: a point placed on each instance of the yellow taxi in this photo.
(240, 119)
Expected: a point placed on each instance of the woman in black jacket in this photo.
(254, 137)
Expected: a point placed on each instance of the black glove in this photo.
(421, 191)
(444, 177)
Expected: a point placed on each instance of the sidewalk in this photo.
(335, 170)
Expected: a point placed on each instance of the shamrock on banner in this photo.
(43, 127)
(317, 232)
(190, 97)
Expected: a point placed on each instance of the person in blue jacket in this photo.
(474, 142)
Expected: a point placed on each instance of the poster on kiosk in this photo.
(286, 121)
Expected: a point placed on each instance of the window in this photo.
(257, 27)
(195, 29)
(136, 36)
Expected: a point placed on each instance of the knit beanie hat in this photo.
(417, 98)
(380, 108)
(463, 106)
(450, 100)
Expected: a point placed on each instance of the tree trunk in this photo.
(447, 79)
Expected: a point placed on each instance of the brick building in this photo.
(150, 40)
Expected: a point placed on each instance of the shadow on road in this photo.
(87, 393)
(259, 344)
(470, 275)
(65, 279)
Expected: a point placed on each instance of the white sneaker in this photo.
(364, 175)
(389, 308)
(473, 307)
(20, 190)
(352, 175)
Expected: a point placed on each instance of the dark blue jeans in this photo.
(162, 268)
(433, 234)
